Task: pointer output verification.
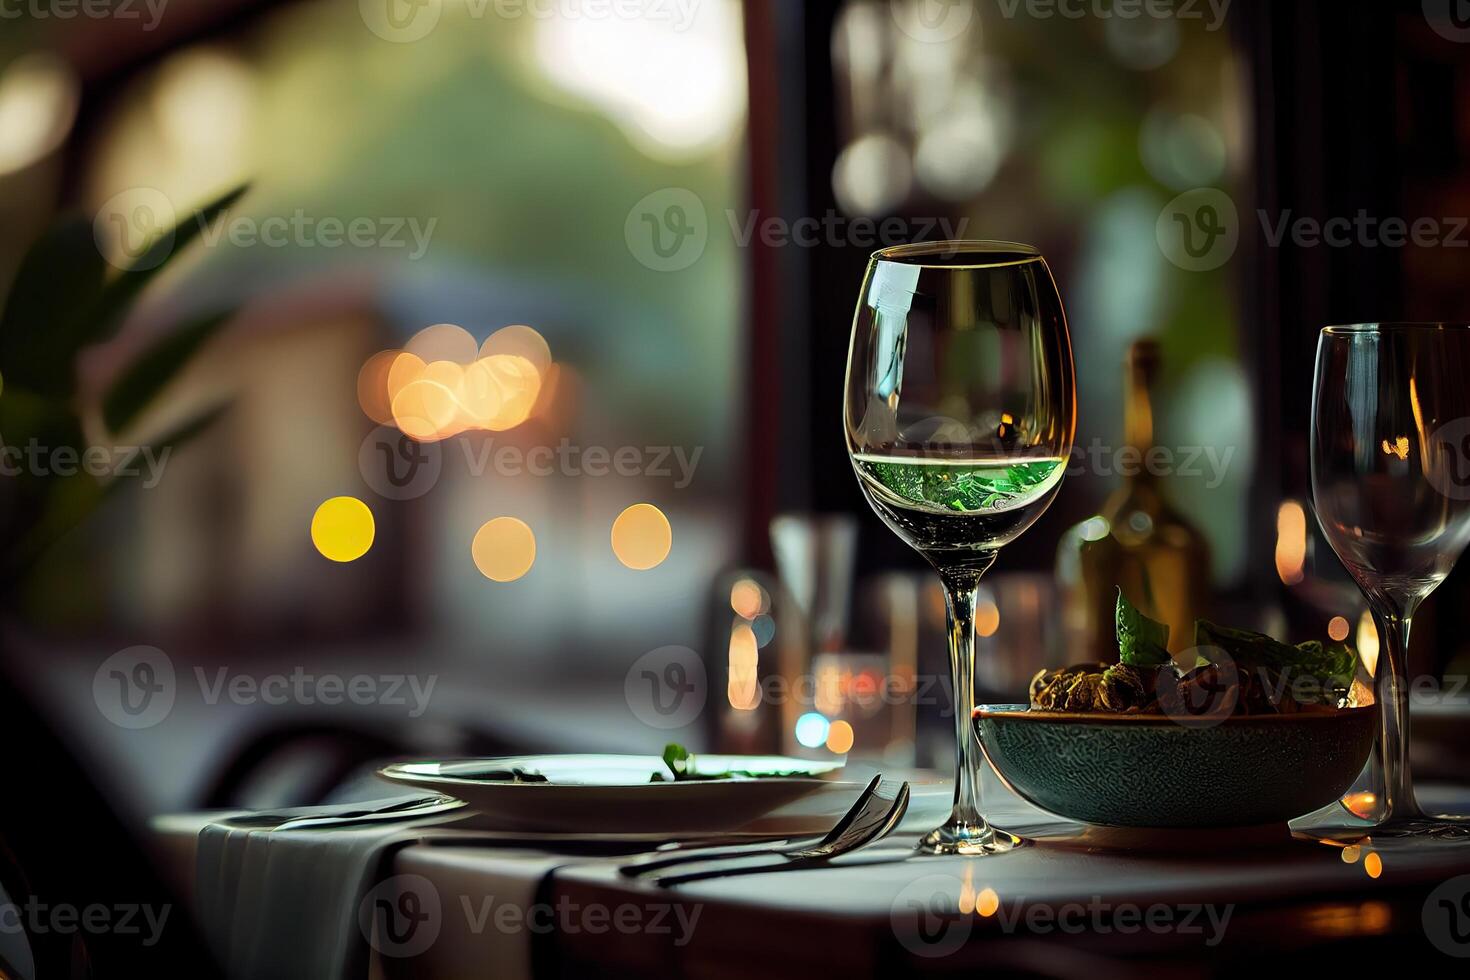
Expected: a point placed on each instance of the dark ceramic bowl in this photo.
(1151, 771)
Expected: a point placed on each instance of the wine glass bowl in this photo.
(960, 411)
(1390, 456)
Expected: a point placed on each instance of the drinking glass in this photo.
(960, 410)
(1391, 487)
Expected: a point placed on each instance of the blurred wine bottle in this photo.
(1138, 543)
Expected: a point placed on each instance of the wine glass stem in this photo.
(960, 588)
(1391, 691)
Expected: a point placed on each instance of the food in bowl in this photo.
(1247, 731)
(1228, 671)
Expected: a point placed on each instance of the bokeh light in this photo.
(372, 386)
(1373, 865)
(743, 689)
(404, 371)
(747, 598)
(38, 104)
(443, 342)
(987, 903)
(516, 384)
(1337, 628)
(840, 737)
(811, 729)
(642, 538)
(424, 408)
(442, 384)
(343, 529)
(872, 175)
(519, 340)
(623, 64)
(1291, 542)
(504, 549)
(987, 617)
(1368, 642)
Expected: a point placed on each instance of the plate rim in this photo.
(394, 772)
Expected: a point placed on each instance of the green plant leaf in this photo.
(1142, 642)
(60, 276)
(1331, 665)
(1245, 647)
(151, 372)
(117, 297)
(677, 758)
(69, 500)
(1332, 661)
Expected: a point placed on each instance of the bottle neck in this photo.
(1138, 421)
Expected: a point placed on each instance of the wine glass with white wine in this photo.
(1391, 487)
(960, 412)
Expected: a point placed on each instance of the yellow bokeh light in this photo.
(483, 397)
(1373, 864)
(425, 410)
(1351, 853)
(840, 738)
(1291, 542)
(1368, 642)
(447, 406)
(744, 652)
(342, 529)
(642, 537)
(518, 384)
(743, 688)
(987, 903)
(521, 341)
(504, 549)
(1337, 628)
(987, 618)
(444, 342)
(746, 598)
(405, 370)
(372, 386)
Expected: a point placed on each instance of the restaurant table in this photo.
(498, 905)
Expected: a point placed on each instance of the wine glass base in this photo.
(1432, 827)
(971, 839)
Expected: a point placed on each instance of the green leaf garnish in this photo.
(1142, 642)
(679, 760)
(1330, 665)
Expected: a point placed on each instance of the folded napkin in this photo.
(283, 902)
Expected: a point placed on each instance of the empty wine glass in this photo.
(960, 412)
(1391, 486)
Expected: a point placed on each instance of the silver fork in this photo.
(874, 819)
(690, 855)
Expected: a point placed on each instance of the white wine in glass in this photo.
(960, 411)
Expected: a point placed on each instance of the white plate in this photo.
(615, 793)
